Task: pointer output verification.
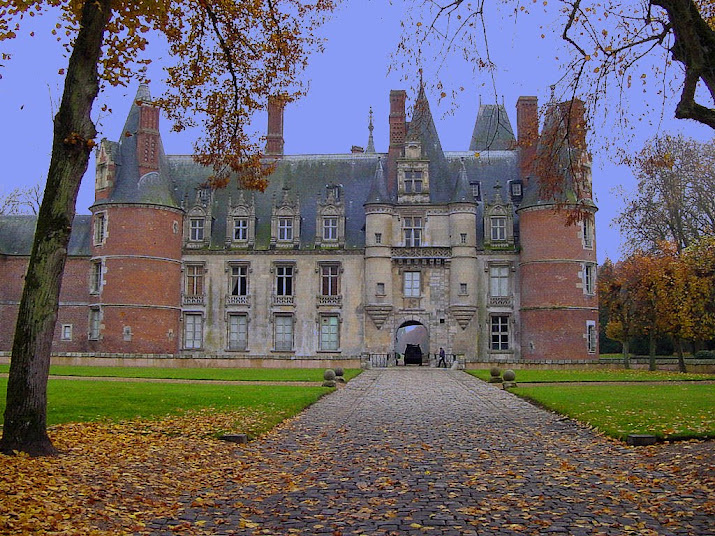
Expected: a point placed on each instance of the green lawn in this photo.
(238, 374)
(679, 411)
(80, 401)
(617, 375)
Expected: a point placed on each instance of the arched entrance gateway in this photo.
(412, 342)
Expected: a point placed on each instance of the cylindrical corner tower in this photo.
(559, 307)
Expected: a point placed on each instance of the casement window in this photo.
(463, 289)
(499, 332)
(591, 337)
(329, 332)
(411, 284)
(413, 182)
(100, 227)
(476, 191)
(284, 280)
(193, 331)
(412, 227)
(283, 332)
(240, 229)
(516, 189)
(378, 238)
(237, 332)
(589, 279)
(498, 228)
(329, 280)
(238, 280)
(194, 280)
(462, 238)
(66, 332)
(587, 227)
(196, 229)
(380, 289)
(95, 318)
(95, 277)
(285, 229)
(499, 281)
(330, 228)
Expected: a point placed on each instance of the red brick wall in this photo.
(555, 334)
(142, 279)
(74, 297)
(554, 306)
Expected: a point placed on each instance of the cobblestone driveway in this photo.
(431, 451)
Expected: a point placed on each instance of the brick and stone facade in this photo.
(342, 256)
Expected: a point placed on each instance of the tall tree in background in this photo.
(228, 57)
(22, 200)
(621, 290)
(674, 201)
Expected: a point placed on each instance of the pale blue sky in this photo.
(345, 81)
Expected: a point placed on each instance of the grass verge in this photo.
(620, 375)
(227, 374)
(683, 411)
(86, 401)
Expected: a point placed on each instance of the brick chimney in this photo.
(274, 137)
(148, 138)
(398, 132)
(527, 125)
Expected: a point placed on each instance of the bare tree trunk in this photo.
(25, 427)
(626, 354)
(681, 359)
(651, 351)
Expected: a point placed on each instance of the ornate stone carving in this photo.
(378, 313)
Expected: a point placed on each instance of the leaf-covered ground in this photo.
(393, 453)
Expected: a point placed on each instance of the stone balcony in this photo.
(193, 299)
(501, 301)
(238, 300)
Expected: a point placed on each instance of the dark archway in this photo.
(412, 332)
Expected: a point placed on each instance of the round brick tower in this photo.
(559, 306)
(135, 271)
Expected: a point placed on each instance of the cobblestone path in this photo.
(431, 451)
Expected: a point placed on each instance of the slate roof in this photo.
(17, 233)
(304, 176)
(152, 188)
(492, 129)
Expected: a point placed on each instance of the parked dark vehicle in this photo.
(413, 355)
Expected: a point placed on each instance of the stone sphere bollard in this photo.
(329, 377)
(495, 375)
(509, 378)
(339, 374)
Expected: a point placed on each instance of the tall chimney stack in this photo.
(274, 137)
(398, 132)
(527, 125)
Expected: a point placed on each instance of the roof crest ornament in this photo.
(370, 141)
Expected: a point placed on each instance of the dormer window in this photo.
(516, 189)
(413, 182)
(330, 229)
(498, 228)
(240, 229)
(285, 229)
(476, 191)
(196, 229)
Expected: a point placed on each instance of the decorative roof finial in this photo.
(370, 141)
